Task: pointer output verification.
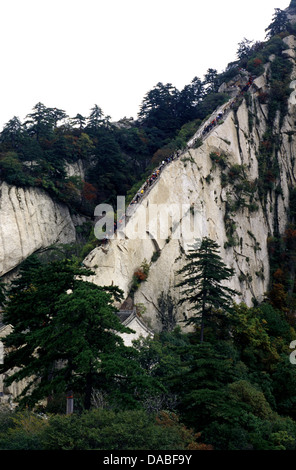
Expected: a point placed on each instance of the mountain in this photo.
(232, 179)
(236, 178)
(30, 220)
(212, 165)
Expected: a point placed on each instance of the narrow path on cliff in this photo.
(202, 134)
(204, 131)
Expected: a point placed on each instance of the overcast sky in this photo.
(72, 54)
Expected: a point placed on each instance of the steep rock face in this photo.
(230, 209)
(76, 169)
(30, 220)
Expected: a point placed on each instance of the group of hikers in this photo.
(213, 123)
(153, 177)
(142, 191)
(247, 86)
(155, 174)
(219, 116)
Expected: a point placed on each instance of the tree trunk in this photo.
(203, 313)
(88, 391)
(202, 329)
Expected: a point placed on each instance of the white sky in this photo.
(72, 54)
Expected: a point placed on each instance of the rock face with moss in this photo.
(30, 220)
(235, 187)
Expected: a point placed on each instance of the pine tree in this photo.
(211, 81)
(202, 286)
(61, 328)
(279, 23)
(12, 135)
(96, 117)
(159, 109)
(40, 122)
(79, 121)
(244, 48)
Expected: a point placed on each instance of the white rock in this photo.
(30, 220)
(184, 182)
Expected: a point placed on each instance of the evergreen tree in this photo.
(95, 118)
(110, 174)
(245, 48)
(40, 122)
(201, 387)
(57, 115)
(188, 100)
(159, 109)
(202, 286)
(11, 136)
(279, 23)
(61, 328)
(84, 333)
(211, 81)
(79, 121)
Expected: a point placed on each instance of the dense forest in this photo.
(115, 155)
(233, 387)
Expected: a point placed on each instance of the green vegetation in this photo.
(234, 391)
(219, 159)
(204, 274)
(241, 191)
(115, 157)
(39, 152)
(279, 24)
(141, 274)
(99, 429)
(226, 385)
(69, 321)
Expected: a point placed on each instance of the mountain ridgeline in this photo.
(218, 160)
(244, 168)
(234, 135)
(84, 161)
(237, 174)
(80, 162)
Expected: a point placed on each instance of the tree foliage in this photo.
(203, 284)
(279, 23)
(62, 328)
(98, 430)
(236, 390)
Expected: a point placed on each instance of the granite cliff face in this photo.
(219, 185)
(214, 188)
(30, 220)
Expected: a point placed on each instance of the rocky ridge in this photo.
(201, 180)
(30, 220)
